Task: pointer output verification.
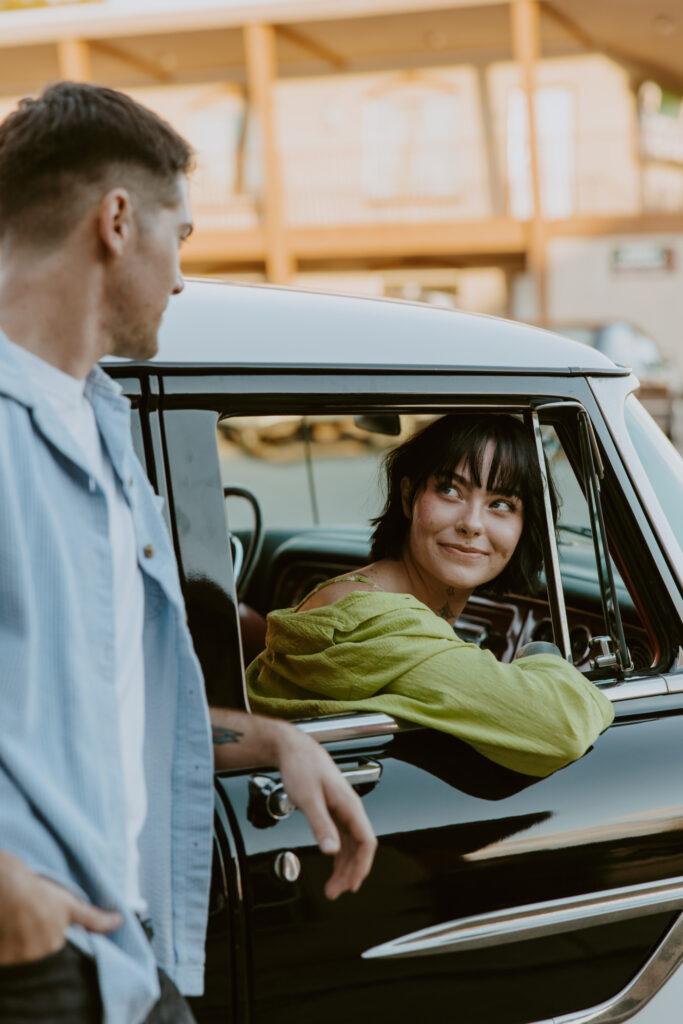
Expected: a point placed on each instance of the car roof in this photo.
(218, 323)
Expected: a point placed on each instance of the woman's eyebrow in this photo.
(464, 481)
(459, 479)
(506, 492)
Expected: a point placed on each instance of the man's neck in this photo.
(49, 309)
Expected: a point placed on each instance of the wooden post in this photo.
(74, 60)
(259, 43)
(525, 19)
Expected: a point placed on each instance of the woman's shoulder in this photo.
(333, 590)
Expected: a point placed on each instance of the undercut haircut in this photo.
(459, 441)
(62, 151)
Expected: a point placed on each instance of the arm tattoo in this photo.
(446, 612)
(221, 735)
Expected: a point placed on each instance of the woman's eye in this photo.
(505, 504)
(449, 490)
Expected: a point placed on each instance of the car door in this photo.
(541, 898)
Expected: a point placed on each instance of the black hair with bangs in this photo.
(460, 440)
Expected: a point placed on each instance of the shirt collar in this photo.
(15, 384)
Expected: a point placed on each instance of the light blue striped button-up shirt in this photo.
(61, 787)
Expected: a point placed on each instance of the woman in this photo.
(464, 510)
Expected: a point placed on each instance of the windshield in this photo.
(661, 461)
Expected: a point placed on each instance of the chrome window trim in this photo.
(558, 611)
(352, 726)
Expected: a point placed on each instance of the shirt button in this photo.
(91, 484)
(148, 551)
(130, 481)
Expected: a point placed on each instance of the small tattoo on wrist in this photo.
(221, 735)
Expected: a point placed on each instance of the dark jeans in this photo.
(62, 989)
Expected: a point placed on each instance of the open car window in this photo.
(317, 480)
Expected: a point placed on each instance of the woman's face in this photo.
(460, 534)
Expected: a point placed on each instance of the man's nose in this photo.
(179, 284)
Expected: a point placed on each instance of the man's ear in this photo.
(115, 220)
(405, 497)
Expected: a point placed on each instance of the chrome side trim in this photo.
(631, 689)
(535, 920)
(350, 727)
(650, 979)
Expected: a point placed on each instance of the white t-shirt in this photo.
(66, 396)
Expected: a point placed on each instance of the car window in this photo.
(325, 471)
(661, 462)
(306, 470)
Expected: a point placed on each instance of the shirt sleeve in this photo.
(534, 715)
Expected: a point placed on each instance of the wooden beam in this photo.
(315, 49)
(498, 240)
(148, 67)
(569, 25)
(259, 44)
(103, 21)
(224, 245)
(597, 227)
(665, 77)
(501, 237)
(74, 60)
(525, 24)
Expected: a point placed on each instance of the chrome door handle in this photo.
(536, 920)
(367, 773)
(269, 796)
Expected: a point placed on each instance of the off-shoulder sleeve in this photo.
(391, 653)
(534, 715)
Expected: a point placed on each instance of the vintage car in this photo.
(495, 898)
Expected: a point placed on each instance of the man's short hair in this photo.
(56, 151)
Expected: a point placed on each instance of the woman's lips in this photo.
(464, 551)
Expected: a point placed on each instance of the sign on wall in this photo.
(642, 256)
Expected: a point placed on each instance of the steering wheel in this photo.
(538, 647)
(243, 562)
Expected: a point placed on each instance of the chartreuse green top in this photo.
(376, 651)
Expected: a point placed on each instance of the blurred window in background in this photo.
(556, 131)
(660, 123)
(410, 142)
(215, 127)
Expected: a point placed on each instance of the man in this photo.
(105, 756)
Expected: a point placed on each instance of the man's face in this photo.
(148, 275)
